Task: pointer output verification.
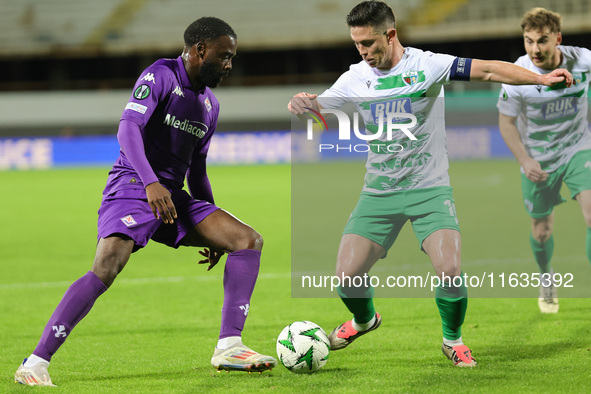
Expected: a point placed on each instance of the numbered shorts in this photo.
(128, 212)
(380, 217)
(540, 198)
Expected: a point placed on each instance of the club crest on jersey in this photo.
(149, 77)
(128, 220)
(410, 77)
(207, 104)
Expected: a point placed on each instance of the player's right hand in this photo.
(533, 170)
(298, 103)
(557, 76)
(212, 257)
(160, 201)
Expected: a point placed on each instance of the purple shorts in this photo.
(128, 212)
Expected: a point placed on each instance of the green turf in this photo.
(155, 329)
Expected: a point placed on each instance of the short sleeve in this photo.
(585, 55)
(338, 94)
(509, 102)
(153, 85)
(440, 66)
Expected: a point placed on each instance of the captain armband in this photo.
(460, 69)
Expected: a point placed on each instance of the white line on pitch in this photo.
(136, 281)
(284, 275)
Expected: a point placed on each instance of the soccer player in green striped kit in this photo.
(398, 186)
(546, 129)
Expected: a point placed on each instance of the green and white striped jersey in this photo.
(415, 86)
(552, 121)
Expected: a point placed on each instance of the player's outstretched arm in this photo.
(532, 168)
(300, 102)
(512, 74)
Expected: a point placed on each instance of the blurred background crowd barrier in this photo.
(67, 68)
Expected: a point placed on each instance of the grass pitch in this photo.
(155, 329)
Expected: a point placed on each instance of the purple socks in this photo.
(75, 304)
(240, 276)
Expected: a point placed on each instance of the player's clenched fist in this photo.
(557, 76)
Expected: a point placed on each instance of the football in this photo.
(303, 347)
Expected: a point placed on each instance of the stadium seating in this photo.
(478, 19)
(122, 26)
(42, 27)
(45, 27)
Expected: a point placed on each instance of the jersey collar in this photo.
(184, 77)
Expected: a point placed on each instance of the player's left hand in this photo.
(300, 103)
(557, 76)
(211, 256)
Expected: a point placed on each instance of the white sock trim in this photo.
(228, 342)
(452, 343)
(34, 360)
(365, 326)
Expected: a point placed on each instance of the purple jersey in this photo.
(176, 125)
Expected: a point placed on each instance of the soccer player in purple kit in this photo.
(164, 133)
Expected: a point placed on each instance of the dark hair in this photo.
(539, 18)
(206, 29)
(371, 13)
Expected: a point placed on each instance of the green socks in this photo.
(543, 251)
(359, 301)
(452, 303)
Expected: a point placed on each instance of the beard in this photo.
(210, 75)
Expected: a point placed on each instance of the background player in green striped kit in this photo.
(547, 131)
(397, 187)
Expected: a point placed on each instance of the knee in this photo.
(543, 231)
(250, 240)
(107, 267)
(448, 270)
